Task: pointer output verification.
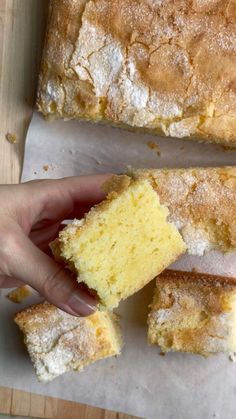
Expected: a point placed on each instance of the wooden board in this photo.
(22, 24)
(17, 402)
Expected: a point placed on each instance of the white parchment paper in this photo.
(140, 381)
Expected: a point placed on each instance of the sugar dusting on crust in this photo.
(196, 239)
(193, 314)
(99, 60)
(155, 64)
(68, 351)
(184, 128)
(43, 338)
(58, 342)
(54, 347)
(202, 204)
(104, 63)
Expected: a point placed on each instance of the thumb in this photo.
(26, 262)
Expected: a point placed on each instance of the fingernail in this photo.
(82, 303)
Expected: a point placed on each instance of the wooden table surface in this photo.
(22, 25)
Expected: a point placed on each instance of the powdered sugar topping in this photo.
(103, 61)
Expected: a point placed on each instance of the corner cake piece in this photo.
(193, 312)
(122, 243)
(58, 342)
(201, 203)
(165, 67)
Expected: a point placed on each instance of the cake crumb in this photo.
(232, 356)
(154, 146)
(19, 294)
(162, 353)
(227, 148)
(11, 138)
(45, 167)
(97, 161)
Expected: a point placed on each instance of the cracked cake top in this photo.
(165, 66)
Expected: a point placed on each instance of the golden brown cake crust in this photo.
(202, 204)
(58, 342)
(40, 315)
(164, 66)
(197, 280)
(192, 312)
(206, 288)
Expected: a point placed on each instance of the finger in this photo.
(82, 189)
(43, 236)
(9, 282)
(58, 199)
(79, 210)
(44, 231)
(29, 264)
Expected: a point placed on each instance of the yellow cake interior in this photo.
(122, 243)
(108, 334)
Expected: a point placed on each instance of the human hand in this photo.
(30, 218)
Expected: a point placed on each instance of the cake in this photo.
(122, 243)
(165, 67)
(201, 203)
(58, 342)
(18, 295)
(193, 312)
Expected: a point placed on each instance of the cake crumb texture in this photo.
(122, 243)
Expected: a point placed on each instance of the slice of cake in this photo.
(201, 203)
(58, 342)
(193, 312)
(122, 243)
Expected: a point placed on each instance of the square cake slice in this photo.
(201, 203)
(193, 312)
(58, 342)
(122, 243)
